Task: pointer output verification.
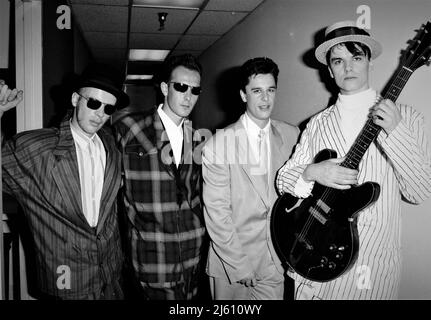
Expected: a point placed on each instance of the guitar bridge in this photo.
(304, 242)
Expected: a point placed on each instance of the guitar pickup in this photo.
(316, 214)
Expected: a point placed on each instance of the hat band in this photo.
(346, 31)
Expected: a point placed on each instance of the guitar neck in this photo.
(370, 131)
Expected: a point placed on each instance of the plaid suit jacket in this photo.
(166, 227)
(40, 170)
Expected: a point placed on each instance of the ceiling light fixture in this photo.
(172, 4)
(162, 20)
(147, 55)
(139, 77)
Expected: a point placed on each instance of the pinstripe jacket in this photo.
(401, 164)
(166, 227)
(40, 170)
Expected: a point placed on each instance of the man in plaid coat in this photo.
(66, 180)
(161, 193)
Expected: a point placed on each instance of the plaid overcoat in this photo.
(163, 205)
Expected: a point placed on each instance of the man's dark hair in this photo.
(355, 48)
(185, 60)
(255, 66)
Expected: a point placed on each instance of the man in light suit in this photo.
(66, 180)
(239, 166)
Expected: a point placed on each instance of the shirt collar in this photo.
(357, 101)
(252, 128)
(80, 137)
(167, 122)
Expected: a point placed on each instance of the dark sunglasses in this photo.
(182, 87)
(95, 104)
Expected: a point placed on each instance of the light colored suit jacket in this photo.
(237, 205)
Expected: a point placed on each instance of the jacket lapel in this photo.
(188, 166)
(65, 173)
(112, 178)
(163, 145)
(278, 157)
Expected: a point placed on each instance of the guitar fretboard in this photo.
(370, 130)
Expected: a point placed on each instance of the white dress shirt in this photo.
(91, 156)
(254, 133)
(175, 134)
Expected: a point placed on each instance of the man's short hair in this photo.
(185, 60)
(355, 48)
(255, 66)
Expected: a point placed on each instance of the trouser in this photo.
(110, 291)
(269, 287)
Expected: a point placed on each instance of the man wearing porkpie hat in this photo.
(398, 160)
(66, 180)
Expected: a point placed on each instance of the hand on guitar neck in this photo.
(330, 174)
(386, 115)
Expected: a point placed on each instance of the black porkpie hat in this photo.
(106, 78)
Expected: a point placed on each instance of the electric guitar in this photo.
(317, 236)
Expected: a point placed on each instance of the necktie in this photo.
(263, 153)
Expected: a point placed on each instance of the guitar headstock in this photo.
(418, 52)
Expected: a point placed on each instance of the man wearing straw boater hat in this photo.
(66, 180)
(398, 160)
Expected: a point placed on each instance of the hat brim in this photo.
(375, 47)
(123, 99)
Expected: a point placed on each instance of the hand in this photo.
(386, 115)
(329, 173)
(8, 98)
(249, 281)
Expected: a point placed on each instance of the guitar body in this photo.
(317, 236)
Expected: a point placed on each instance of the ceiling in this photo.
(111, 27)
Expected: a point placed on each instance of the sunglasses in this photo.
(182, 87)
(95, 104)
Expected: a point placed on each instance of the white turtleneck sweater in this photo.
(354, 110)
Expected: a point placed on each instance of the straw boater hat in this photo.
(346, 31)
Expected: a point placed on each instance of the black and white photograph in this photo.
(215, 158)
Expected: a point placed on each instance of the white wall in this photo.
(284, 30)
(4, 34)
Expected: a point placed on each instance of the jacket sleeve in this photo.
(408, 150)
(290, 173)
(218, 215)
(13, 167)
